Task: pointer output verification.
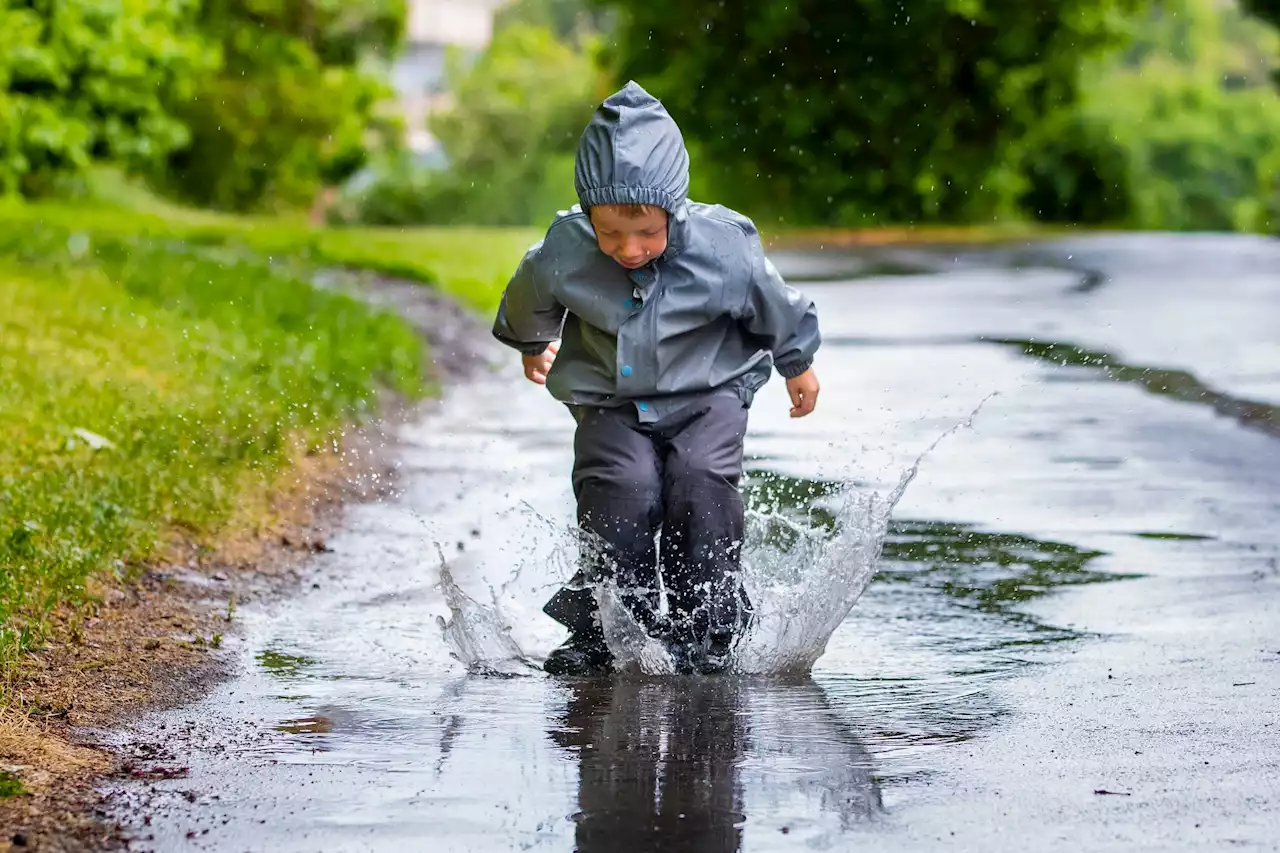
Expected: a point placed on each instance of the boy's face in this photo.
(630, 239)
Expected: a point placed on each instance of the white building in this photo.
(434, 26)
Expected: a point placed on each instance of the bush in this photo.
(292, 107)
(1198, 157)
(509, 139)
(1177, 132)
(82, 81)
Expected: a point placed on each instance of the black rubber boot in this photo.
(584, 654)
(715, 651)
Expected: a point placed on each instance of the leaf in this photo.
(95, 441)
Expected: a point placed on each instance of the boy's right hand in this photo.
(536, 367)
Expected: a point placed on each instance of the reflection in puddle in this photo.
(989, 573)
(1177, 384)
(306, 725)
(688, 763)
(283, 665)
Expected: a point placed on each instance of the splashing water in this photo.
(802, 580)
(480, 635)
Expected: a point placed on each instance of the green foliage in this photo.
(147, 384)
(10, 785)
(509, 138)
(292, 105)
(1178, 131)
(1267, 10)
(471, 264)
(570, 20)
(84, 80)
(848, 113)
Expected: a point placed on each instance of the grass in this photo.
(470, 264)
(10, 785)
(159, 365)
(146, 385)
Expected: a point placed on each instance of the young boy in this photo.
(670, 318)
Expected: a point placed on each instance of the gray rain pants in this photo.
(679, 475)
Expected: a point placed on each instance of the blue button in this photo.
(626, 370)
(644, 407)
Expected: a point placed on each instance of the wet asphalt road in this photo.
(1074, 641)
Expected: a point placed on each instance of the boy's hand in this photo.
(804, 393)
(536, 367)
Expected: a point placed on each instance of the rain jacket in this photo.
(711, 314)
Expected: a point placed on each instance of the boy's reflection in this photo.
(663, 764)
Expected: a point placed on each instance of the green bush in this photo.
(1198, 157)
(509, 139)
(1178, 131)
(293, 105)
(82, 80)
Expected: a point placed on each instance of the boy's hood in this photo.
(632, 152)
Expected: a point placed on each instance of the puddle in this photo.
(283, 665)
(1176, 384)
(351, 727)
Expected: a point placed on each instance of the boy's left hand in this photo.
(804, 393)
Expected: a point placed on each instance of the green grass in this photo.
(470, 264)
(10, 785)
(159, 364)
(146, 383)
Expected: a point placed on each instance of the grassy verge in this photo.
(146, 386)
(470, 264)
(160, 366)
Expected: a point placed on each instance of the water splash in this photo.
(479, 635)
(803, 593)
(803, 578)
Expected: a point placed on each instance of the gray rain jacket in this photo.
(711, 314)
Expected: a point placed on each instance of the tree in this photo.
(508, 137)
(290, 106)
(1177, 131)
(863, 110)
(84, 81)
(1267, 10)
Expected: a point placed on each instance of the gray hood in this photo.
(632, 153)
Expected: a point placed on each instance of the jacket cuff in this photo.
(793, 369)
(532, 349)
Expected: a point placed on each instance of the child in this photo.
(670, 318)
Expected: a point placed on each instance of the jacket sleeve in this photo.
(529, 317)
(779, 314)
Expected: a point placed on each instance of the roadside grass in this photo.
(147, 386)
(471, 264)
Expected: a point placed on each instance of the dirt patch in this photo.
(155, 641)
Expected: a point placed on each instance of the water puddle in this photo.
(901, 632)
(1180, 385)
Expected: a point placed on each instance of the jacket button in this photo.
(644, 407)
(626, 370)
